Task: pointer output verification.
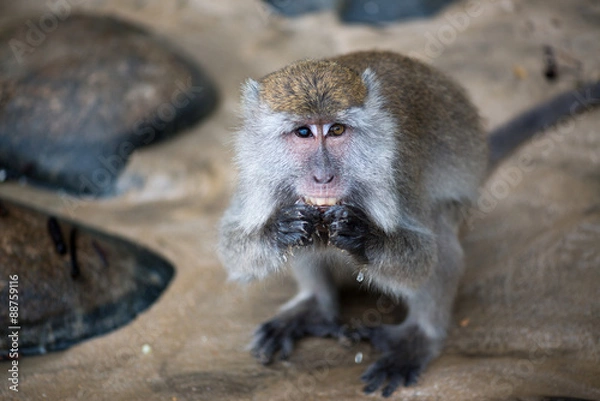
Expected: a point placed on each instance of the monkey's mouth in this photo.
(315, 201)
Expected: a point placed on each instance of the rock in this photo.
(362, 11)
(381, 11)
(78, 95)
(71, 282)
(295, 8)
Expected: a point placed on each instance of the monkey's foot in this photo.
(279, 334)
(407, 350)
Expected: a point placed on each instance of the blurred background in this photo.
(116, 121)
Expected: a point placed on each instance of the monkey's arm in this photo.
(256, 253)
(402, 258)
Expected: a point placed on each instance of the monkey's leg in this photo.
(408, 347)
(312, 312)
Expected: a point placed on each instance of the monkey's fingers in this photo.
(301, 211)
(354, 243)
(346, 221)
(335, 213)
(291, 239)
(296, 227)
(294, 233)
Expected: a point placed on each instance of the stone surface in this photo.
(505, 343)
(79, 93)
(295, 8)
(385, 11)
(362, 11)
(72, 282)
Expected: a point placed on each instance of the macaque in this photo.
(363, 165)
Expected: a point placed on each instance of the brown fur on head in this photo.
(313, 88)
(354, 167)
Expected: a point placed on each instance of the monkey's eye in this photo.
(303, 132)
(337, 129)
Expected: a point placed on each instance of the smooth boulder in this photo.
(79, 95)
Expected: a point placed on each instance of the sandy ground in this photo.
(527, 318)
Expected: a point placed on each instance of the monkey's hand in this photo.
(407, 350)
(294, 225)
(349, 230)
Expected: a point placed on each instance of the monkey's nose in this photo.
(323, 178)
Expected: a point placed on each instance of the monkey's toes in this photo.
(271, 338)
(277, 336)
(395, 372)
(407, 350)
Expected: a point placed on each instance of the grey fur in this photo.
(416, 157)
(413, 193)
(260, 160)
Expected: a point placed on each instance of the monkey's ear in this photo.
(250, 93)
(370, 80)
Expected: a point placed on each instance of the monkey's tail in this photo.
(505, 139)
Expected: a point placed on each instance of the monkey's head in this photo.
(316, 132)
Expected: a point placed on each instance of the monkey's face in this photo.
(318, 152)
(315, 143)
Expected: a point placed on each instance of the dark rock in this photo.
(79, 94)
(294, 8)
(382, 11)
(115, 280)
(363, 11)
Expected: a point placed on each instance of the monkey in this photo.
(359, 166)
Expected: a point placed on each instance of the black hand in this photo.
(294, 225)
(349, 229)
